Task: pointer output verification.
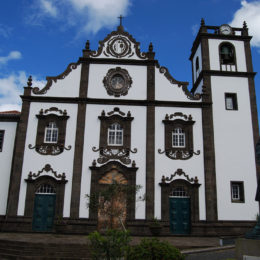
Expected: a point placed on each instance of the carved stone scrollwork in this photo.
(46, 168)
(179, 154)
(50, 80)
(107, 154)
(180, 172)
(49, 149)
(183, 85)
(53, 109)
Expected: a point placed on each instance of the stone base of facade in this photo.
(136, 227)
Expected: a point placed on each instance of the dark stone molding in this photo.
(17, 162)
(192, 190)
(107, 81)
(79, 143)
(9, 117)
(118, 34)
(101, 101)
(129, 174)
(183, 85)
(44, 118)
(50, 80)
(209, 156)
(178, 153)
(34, 184)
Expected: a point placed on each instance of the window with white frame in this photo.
(178, 137)
(237, 192)
(115, 134)
(51, 133)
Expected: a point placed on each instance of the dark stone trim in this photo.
(79, 143)
(204, 73)
(209, 156)
(17, 164)
(118, 61)
(130, 175)
(2, 139)
(33, 185)
(192, 191)
(101, 101)
(202, 36)
(9, 117)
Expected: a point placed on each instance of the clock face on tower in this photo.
(117, 82)
(225, 29)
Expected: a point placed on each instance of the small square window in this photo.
(237, 191)
(2, 132)
(231, 101)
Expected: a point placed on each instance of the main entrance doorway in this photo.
(179, 205)
(44, 208)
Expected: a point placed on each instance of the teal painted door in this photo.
(179, 215)
(44, 211)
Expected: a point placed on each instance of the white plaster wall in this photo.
(6, 157)
(97, 72)
(166, 166)
(197, 54)
(234, 148)
(214, 54)
(166, 91)
(91, 139)
(67, 87)
(63, 162)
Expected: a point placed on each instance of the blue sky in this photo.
(41, 37)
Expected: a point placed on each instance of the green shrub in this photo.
(153, 249)
(111, 246)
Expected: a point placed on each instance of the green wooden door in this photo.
(179, 215)
(44, 211)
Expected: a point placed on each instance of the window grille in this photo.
(235, 192)
(115, 135)
(51, 133)
(179, 191)
(178, 138)
(46, 189)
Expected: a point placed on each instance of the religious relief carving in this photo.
(180, 172)
(117, 82)
(119, 47)
(107, 154)
(47, 168)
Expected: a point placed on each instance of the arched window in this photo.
(179, 191)
(178, 137)
(45, 189)
(227, 54)
(115, 134)
(51, 133)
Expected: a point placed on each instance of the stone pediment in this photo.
(118, 44)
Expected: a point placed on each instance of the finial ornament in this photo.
(202, 22)
(150, 47)
(245, 25)
(87, 45)
(29, 82)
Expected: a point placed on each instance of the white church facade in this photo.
(118, 115)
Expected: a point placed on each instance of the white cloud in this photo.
(11, 87)
(5, 31)
(87, 15)
(48, 7)
(13, 55)
(249, 12)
